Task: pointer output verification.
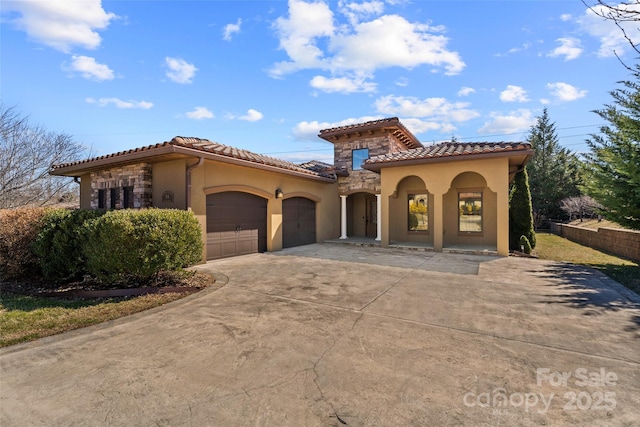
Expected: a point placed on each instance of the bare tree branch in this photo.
(625, 11)
(26, 155)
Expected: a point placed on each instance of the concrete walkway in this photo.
(330, 335)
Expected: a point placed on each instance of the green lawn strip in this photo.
(556, 248)
(25, 318)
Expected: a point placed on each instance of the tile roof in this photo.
(400, 131)
(208, 147)
(449, 150)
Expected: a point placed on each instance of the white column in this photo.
(343, 217)
(379, 217)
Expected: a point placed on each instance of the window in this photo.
(470, 212)
(358, 157)
(418, 212)
(113, 198)
(102, 199)
(127, 193)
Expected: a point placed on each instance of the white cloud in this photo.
(611, 38)
(398, 42)
(342, 84)
(466, 91)
(231, 29)
(103, 102)
(306, 22)
(252, 116)
(402, 82)
(565, 17)
(89, 68)
(62, 24)
(308, 131)
(418, 126)
(200, 113)
(434, 108)
(513, 122)
(180, 71)
(358, 11)
(570, 48)
(565, 92)
(514, 94)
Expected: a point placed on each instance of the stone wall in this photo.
(378, 144)
(138, 176)
(624, 243)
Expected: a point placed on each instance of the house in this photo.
(384, 185)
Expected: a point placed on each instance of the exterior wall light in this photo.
(279, 194)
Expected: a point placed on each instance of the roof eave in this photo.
(137, 156)
(377, 167)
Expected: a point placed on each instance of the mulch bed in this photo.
(166, 282)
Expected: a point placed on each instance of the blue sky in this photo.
(268, 75)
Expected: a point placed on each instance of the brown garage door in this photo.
(298, 222)
(236, 224)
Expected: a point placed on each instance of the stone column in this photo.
(343, 217)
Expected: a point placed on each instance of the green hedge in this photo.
(62, 244)
(141, 243)
(59, 245)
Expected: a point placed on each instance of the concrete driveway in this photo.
(329, 335)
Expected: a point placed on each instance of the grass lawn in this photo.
(552, 247)
(25, 318)
(28, 317)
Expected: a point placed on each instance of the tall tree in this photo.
(553, 171)
(613, 165)
(520, 212)
(26, 154)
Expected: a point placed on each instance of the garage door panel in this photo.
(236, 224)
(298, 222)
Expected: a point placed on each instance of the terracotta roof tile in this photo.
(400, 131)
(204, 145)
(449, 149)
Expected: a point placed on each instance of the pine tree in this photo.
(553, 171)
(613, 165)
(520, 212)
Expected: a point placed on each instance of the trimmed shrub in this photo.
(18, 230)
(525, 245)
(59, 245)
(141, 243)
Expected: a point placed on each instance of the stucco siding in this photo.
(214, 177)
(169, 184)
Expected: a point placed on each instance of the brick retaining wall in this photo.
(625, 243)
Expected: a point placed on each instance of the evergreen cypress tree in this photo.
(553, 171)
(520, 212)
(613, 165)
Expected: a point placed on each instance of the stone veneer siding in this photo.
(137, 176)
(378, 144)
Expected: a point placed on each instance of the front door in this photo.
(371, 216)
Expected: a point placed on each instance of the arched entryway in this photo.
(236, 224)
(362, 215)
(298, 222)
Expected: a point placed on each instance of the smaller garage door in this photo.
(236, 224)
(298, 222)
